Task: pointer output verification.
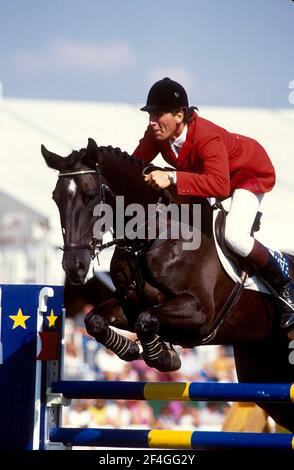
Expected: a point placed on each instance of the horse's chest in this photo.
(127, 280)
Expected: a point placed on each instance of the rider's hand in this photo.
(158, 179)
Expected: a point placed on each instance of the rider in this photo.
(212, 162)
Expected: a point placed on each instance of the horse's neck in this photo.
(124, 177)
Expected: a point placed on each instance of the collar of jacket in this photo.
(186, 148)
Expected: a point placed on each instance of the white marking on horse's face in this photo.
(72, 187)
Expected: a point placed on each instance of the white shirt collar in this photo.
(176, 144)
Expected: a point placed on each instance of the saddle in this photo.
(220, 225)
(241, 266)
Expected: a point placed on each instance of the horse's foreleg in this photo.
(178, 312)
(97, 325)
(155, 352)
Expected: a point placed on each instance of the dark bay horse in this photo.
(165, 293)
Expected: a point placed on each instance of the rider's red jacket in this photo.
(212, 161)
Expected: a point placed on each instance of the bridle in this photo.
(95, 246)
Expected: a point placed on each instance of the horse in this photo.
(164, 293)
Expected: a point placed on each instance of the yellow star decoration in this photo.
(19, 319)
(52, 319)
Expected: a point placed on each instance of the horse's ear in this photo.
(54, 161)
(92, 156)
(92, 146)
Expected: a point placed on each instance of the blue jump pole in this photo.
(161, 439)
(242, 392)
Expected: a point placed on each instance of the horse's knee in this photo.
(95, 324)
(146, 324)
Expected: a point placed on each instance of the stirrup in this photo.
(277, 295)
(291, 307)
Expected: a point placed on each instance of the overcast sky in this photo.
(225, 52)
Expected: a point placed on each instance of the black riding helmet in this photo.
(166, 95)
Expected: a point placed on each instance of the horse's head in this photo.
(76, 194)
(86, 178)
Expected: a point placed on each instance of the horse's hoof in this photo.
(167, 361)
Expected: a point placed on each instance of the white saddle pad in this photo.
(252, 283)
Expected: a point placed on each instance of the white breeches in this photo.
(240, 218)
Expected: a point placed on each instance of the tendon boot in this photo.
(278, 281)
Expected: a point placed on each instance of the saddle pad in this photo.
(252, 283)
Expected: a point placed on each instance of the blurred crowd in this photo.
(85, 359)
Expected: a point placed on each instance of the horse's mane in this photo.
(121, 154)
(103, 150)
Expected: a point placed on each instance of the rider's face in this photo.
(166, 125)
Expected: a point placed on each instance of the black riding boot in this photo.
(270, 271)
